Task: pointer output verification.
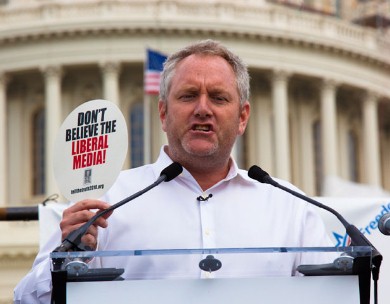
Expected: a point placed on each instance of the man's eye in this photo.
(187, 97)
(219, 98)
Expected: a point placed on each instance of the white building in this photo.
(320, 88)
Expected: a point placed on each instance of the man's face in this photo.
(203, 115)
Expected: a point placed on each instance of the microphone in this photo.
(357, 237)
(384, 224)
(73, 241)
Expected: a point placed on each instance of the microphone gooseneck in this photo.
(73, 240)
(261, 176)
(357, 237)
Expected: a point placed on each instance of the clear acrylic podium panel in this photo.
(246, 275)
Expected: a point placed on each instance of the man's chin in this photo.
(201, 151)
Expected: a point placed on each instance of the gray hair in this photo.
(206, 47)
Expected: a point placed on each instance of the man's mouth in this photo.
(203, 128)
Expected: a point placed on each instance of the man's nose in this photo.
(202, 108)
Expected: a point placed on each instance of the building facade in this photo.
(320, 89)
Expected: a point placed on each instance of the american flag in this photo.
(153, 69)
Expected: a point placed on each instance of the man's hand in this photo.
(80, 213)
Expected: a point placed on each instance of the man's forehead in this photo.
(208, 70)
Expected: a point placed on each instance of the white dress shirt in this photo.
(241, 213)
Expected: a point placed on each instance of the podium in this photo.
(213, 275)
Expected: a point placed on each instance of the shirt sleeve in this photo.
(36, 286)
(315, 235)
(315, 229)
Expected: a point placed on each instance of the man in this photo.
(203, 107)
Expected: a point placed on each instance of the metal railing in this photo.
(19, 213)
(23, 213)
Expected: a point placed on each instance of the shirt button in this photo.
(207, 232)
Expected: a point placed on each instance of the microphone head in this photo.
(382, 224)
(260, 175)
(172, 171)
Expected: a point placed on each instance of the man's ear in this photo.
(244, 117)
(162, 110)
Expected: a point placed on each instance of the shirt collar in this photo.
(162, 162)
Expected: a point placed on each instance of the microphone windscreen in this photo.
(382, 224)
(171, 171)
(261, 176)
(258, 174)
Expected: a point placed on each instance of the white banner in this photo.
(364, 213)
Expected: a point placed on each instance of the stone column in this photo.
(281, 124)
(371, 140)
(329, 128)
(53, 120)
(261, 133)
(3, 139)
(110, 71)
